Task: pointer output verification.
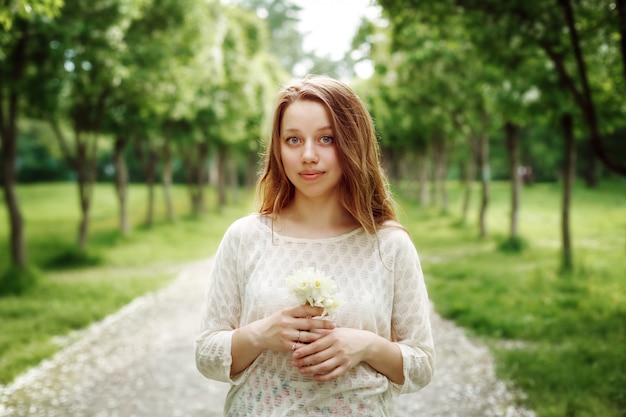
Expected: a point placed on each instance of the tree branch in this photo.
(588, 106)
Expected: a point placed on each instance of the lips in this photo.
(311, 175)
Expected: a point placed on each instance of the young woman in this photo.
(324, 204)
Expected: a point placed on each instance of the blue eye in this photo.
(326, 140)
(292, 140)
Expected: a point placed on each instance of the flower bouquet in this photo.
(314, 288)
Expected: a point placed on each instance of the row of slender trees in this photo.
(454, 77)
(185, 81)
(177, 79)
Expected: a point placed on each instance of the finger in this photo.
(307, 364)
(304, 311)
(316, 366)
(312, 347)
(309, 337)
(312, 354)
(313, 310)
(314, 324)
(325, 377)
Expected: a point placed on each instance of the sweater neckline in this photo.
(267, 223)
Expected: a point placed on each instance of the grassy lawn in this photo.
(36, 324)
(559, 338)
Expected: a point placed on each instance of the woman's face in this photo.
(308, 150)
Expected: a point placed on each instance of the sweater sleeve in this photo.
(411, 328)
(221, 311)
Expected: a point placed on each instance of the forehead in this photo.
(305, 114)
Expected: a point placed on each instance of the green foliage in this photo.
(510, 64)
(21, 9)
(560, 338)
(39, 160)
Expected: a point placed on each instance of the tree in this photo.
(90, 38)
(553, 28)
(175, 53)
(536, 48)
(234, 112)
(16, 58)
(281, 17)
(442, 96)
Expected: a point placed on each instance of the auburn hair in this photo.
(364, 188)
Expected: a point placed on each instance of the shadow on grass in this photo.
(16, 281)
(512, 245)
(73, 258)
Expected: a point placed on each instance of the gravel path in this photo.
(140, 362)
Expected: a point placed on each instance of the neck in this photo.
(315, 219)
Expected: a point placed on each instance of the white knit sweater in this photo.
(381, 288)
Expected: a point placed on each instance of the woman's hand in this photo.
(287, 327)
(283, 331)
(339, 350)
(332, 355)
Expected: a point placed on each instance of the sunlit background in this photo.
(328, 27)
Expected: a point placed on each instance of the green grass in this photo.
(51, 215)
(31, 323)
(75, 289)
(560, 338)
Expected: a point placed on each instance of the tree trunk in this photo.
(86, 164)
(422, 179)
(18, 249)
(433, 175)
(470, 176)
(252, 169)
(201, 176)
(221, 176)
(121, 183)
(511, 131)
(191, 183)
(197, 176)
(8, 135)
(166, 175)
(148, 160)
(569, 172)
(440, 159)
(485, 178)
(150, 171)
(233, 182)
(390, 163)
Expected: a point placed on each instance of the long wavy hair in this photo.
(364, 188)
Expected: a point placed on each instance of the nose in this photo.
(309, 152)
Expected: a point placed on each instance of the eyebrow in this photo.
(317, 130)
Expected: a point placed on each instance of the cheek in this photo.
(288, 162)
(284, 159)
(334, 155)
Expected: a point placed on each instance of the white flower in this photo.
(313, 287)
